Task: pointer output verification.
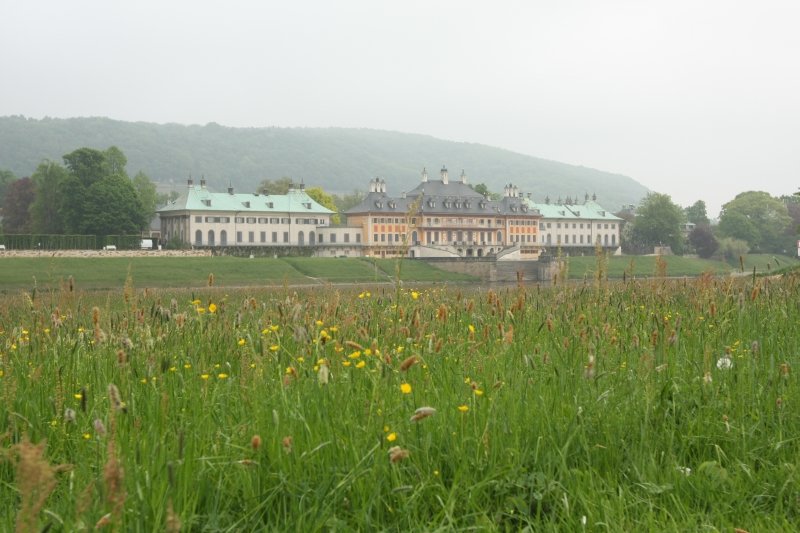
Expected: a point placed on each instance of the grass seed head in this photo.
(397, 454)
(422, 412)
(408, 363)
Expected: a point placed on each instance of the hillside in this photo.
(337, 159)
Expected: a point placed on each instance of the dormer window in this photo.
(431, 203)
(307, 205)
(524, 208)
(378, 204)
(458, 204)
(270, 205)
(246, 204)
(207, 203)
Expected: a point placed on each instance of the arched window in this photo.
(301, 239)
(312, 238)
(211, 237)
(198, 237)
(223, 238)
(500, 237)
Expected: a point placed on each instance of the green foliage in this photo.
(731, 249)
(325, 200)
(6, 178)
(759, 219)
(657, 223)
(346, 201)
(146, 192)
(696, 213)
(334, 158)
(45, 210)
(279, 186)
(483, 189)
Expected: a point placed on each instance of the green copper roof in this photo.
(201, 199)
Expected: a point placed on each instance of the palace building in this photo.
(440, 218)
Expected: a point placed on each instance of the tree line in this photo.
(754, 221)
(89, 194)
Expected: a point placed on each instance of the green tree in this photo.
(696, 213)
(279, 186)
(45, 210)
(325, 200)
(6, 178)
(757, 218)
(98, 198)
(483, 189)
(115, 208)
(658, 223)
(87, 165)
(16, 215)
(146, 191)
(345, 202)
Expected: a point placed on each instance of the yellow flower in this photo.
(201, 310)
(346, 363)
(78, 396)
(361, 364)
(87, 436)
(204, 376)
(143, 380)
(471, 328)
(300, 359)
(274, 348)
(354, 355)
(319, 323)
(187, 366)
(195, 302)
(222, 375)
(241, 342)
(212, 308)
(274, 328)
(391, 437)
(463, 408)
(478, 392)
(386, 429)
(405, 388)
(334, 329)
(414, 295)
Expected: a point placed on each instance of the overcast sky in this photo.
(699, 99)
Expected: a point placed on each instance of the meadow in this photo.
(644, 405)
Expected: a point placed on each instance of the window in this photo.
(274, 236)
(263, 236)
(198, 218)
(383, 237)
(240, 220)
(320, 238)
(286, 221)
(251, 220)
(375, 237)
(285, 236)
(274, 221)
(251, 236)
(346, 237)
(262, 220)
(548, 225)
(333, 237)
(238, 236)
(358, 237)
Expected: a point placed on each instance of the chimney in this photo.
(383, 185)
(463, 177)
(445, 180)
(203, 182)
(424, 174)
(230, 187)
(191, 182)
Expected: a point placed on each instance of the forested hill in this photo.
(338, 160)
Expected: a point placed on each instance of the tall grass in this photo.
(644, 405)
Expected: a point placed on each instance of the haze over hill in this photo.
(340, 160)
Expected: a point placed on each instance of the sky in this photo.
(696, 99)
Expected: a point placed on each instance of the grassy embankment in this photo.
(641, 406)
(111, 272)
